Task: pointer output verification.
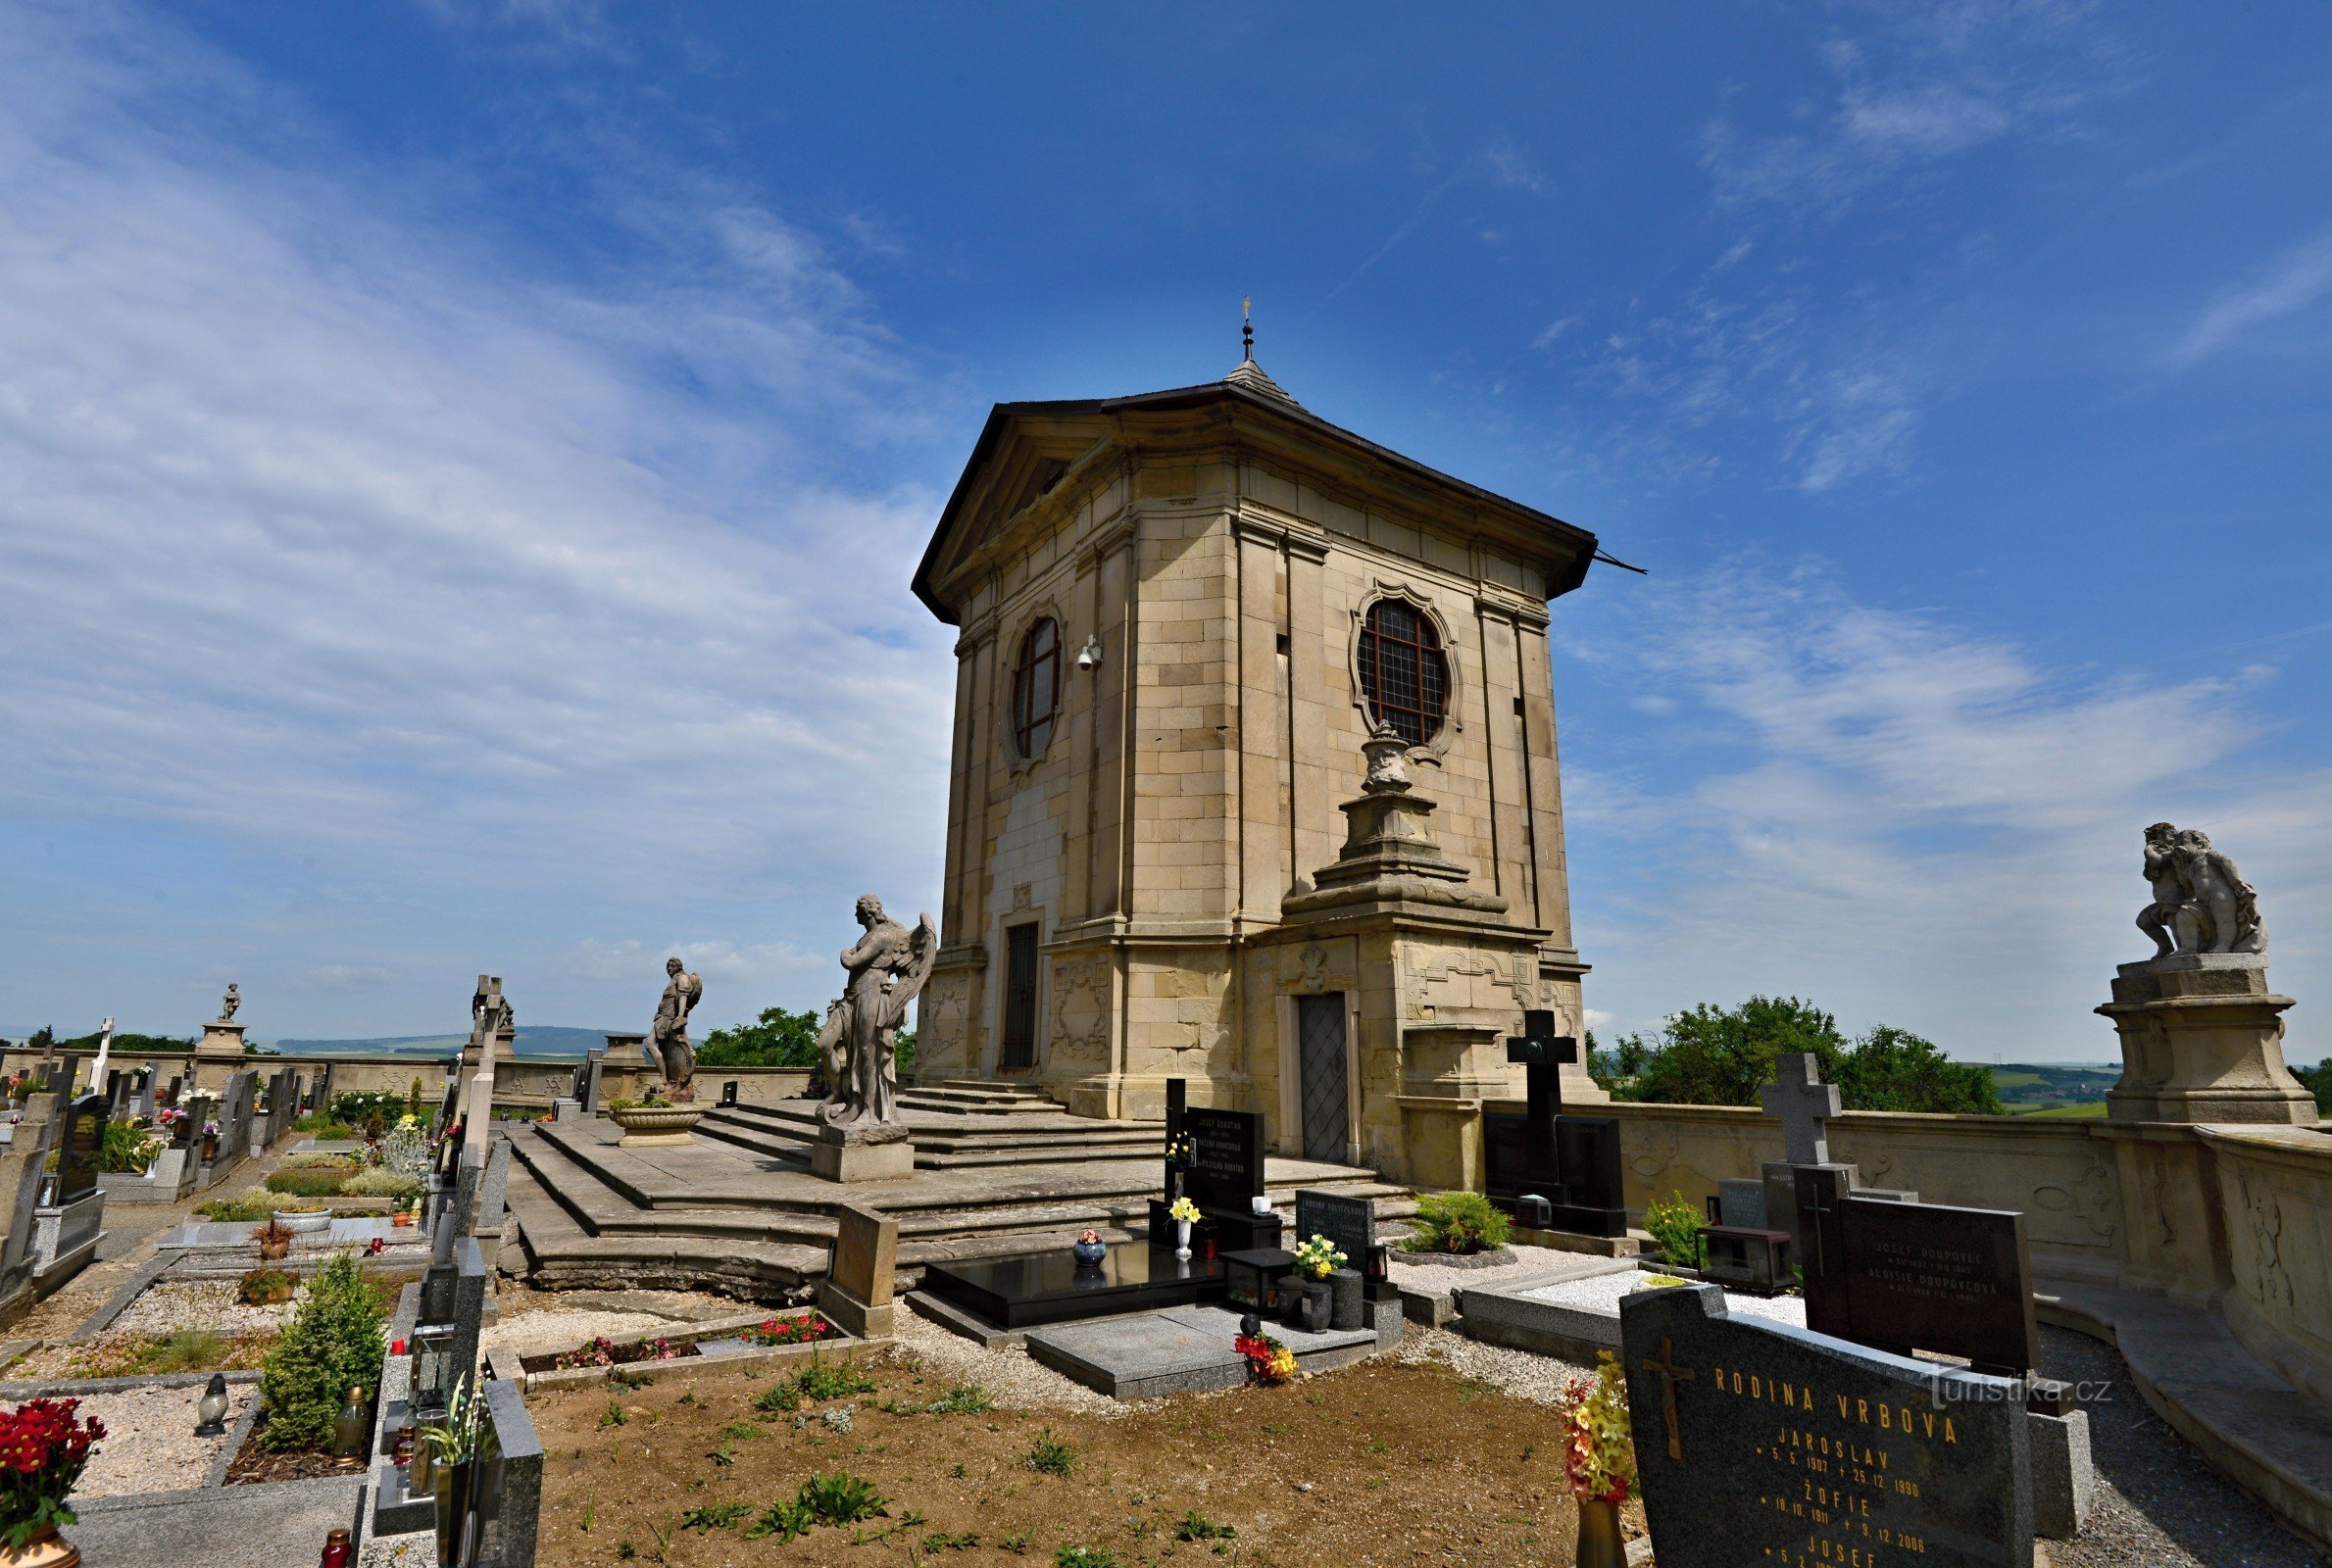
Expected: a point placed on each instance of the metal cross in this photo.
(1814, 1191)
(1804, 1103)
(1670, 1374)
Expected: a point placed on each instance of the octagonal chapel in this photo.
(1183, 615)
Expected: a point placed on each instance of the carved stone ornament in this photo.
(2201, 901)
(859, 1045)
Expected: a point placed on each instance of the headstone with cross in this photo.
(1571, 1162)
(1762, 1443)
(1805, 1105)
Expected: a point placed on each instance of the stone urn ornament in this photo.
(653, 1121)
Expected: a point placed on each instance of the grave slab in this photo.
(1183, 1351)
(1027, 1289)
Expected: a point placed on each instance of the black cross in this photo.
(1814, 1192)
(1543, 1054)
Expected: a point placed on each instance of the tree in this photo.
(124, 1043)
(1724, 1057)
(42, 1039)
(778, 1038)
(1893, 1069)
(2318, 1082)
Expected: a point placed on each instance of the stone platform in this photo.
(1028, 1288)
(997, 1170)
(1186, 1351)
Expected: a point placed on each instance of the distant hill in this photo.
(543, 1041)
(2055, 1088)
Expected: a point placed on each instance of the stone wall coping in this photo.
(2301, 1148)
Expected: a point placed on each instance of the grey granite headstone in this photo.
(21, 1174)
(77, 1156)
(1741, 1202)
(492, 1186)
(510, 1501)
(1348, 1222)
(589, 1092)
(1757, 1442)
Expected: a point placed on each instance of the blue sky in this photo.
(460, 465)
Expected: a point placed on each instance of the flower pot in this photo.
(1089, 1253)
(401, 1220)
(1600, 1545)
(273, 1252)
(48, 1549)
(657, 1124)
(1182, 1239)
(458, 1522)
(1344, 1290)
(1309, 1303)
(304, 1224)
(209, 1147)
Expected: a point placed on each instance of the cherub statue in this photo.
(2201, 901)
(859, 1043)
(229, 1003)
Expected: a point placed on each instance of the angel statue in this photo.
(667, 1037)
(2201, 901)
(859, 1045)
(229, 1003)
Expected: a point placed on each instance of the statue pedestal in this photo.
(838, 1160)
(2201, 1041)
(218, 1057)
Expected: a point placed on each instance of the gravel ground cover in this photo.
(2157, 1504)
(1529, 1260)
(1522, 1374)
(1013, 1380)
(1604, 1291)
(149, 1443)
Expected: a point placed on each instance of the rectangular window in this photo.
(1019, 997)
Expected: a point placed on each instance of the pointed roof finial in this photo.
(1246, 327)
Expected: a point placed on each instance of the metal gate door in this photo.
(1319, 1046)
(1019, 997)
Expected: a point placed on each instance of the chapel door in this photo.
(1019, 997)
(1323, 1089)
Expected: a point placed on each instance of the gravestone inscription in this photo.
(1917, 1276)
(1760, 1443)
(1348, 1222)
(1228, 1147)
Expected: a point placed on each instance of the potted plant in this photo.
(1599, 1459)
(274, 1241)
(43, 1449)
(1184, 1214)
(457, 1444)
(653, 1118)
(266, 1287)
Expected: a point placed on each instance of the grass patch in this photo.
(1194, 1528)
(1050, 1456)
(836, 1380)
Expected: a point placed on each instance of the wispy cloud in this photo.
(2287, 285)
(328, 540)
(1907, 820)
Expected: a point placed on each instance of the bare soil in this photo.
(1384, 1463)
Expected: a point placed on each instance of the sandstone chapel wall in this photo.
(1173, 607)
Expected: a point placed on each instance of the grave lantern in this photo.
(729, 1093)
(1250, 1277)
(433, 1371)
(210, 1413)
(1535, 1212)
(1747, 1258)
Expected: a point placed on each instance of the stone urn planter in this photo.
(303, 1224)
(654, 1125)
(48, 1549)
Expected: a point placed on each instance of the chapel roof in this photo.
(1246, 385)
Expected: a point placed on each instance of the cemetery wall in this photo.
(2233, 1219)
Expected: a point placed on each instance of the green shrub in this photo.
(252, 1202)
(320, 1124)
(334, 1344)
(358, 1107)
(1458, 1222)
(835, 1380)
(126, 1146)
(1677, 1226)
(308, 1181)
(381, 1183)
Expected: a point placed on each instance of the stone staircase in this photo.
(998, 1170)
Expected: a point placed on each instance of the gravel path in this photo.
(1524, 1374)
(1604, 1291)
(1529, 1260)
(1011, 1378)
(2157, 1504)
(149, 1443)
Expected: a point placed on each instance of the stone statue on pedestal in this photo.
(859, 1043)
(229, 1003)
(667, 1037)
(2201, 901)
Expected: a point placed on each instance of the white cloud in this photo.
(340, 976)
(334, 539)
(2285, 286)
(1906, 821)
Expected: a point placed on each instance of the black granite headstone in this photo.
(1229, 1170)
(1758, 1443)
(1348, 1222)
(77, 1156)
(1917, 1276)
(1584, 1190)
